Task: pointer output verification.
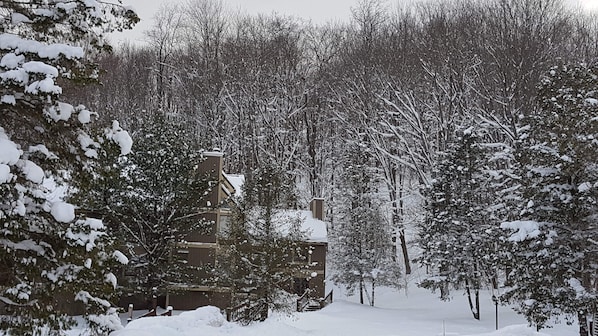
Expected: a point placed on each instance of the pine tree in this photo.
(51, 255)
(458, 237)
(154, 204)
(554, 269)
(263, 240)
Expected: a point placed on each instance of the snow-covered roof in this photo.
(236, 181)
(315, 229)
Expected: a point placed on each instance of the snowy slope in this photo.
(419, 313)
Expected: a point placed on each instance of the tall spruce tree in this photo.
(554, 269)
(457, 238)
(51, 255)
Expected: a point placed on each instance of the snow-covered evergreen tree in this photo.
(457, 239)
(159, 198)
(262, 242)
(51, 255)
(554, 269)
(363, 249)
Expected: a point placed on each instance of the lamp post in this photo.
(495, 300)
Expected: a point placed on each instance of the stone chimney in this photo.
(317, 208)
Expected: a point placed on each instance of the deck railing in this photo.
(326, 300)
(303, 301)
(152, 312)
(247, 312)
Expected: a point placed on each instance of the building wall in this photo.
(212, 166)
(208, 235)
(192, 299)
(317, 283)
(317, 208)
(313, 277)
(200, 248)
(317, 286)
(318, 256)
(201, 256)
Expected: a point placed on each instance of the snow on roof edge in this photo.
(237, 181)
(213, 153)
(316, 230)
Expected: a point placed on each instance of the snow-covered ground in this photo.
(417, 313)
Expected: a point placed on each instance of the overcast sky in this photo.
(319, 11)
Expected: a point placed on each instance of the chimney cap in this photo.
(213, 153)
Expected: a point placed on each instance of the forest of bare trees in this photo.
(393, 92)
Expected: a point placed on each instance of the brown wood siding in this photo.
(317, 208)
(212, 166)
(315, 284)
(67, 303)
(205, 237)
(201, 256)
(189, 300)
(317, 287)
(318, 255)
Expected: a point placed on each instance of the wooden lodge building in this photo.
(202, 249)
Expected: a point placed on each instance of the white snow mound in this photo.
(187, 323)
(514, 330)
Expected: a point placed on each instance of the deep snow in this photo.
(397, 313)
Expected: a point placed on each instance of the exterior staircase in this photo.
(308, 304)
(313, 305)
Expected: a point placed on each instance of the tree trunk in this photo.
(361, 291)
(595, 322)
(404, 250)
(444, 286)
(397, 213)
(373, 292)
(402, 227)
(311, 128)
(477, 303)
(474, 310)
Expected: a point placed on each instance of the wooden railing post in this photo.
(302, 301)
(130, 313)
(168, 311)
(327, 300)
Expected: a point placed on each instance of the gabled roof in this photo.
(315, 230)
(236, 181)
